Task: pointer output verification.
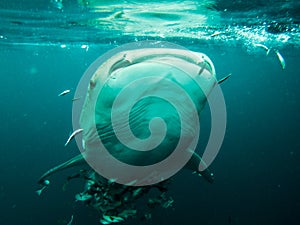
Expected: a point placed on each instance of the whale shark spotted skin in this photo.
(115, 73)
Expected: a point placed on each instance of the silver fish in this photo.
(82, 197)
(73, 135)
(111, 219)
(281, 59)
(45, 184)
(217, 33)
(264, 47)
(75, 99)
(71, 220)
(64, 92)
(39, 192)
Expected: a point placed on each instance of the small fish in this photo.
(73, 135)
(64, 92)
(217, 33)
(71, 220)
(46, 184)
(224, 78)
(82, 197)
(75, 99)
(112, 180)
(39, 192)
(117, 219)
(136, 192)
(264, 47)
(131, 183)
(280, 58)
(168, 203)
(102, 221)
(112, 219)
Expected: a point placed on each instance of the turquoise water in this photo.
(46, 46)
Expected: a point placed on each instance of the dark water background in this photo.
(257, 170)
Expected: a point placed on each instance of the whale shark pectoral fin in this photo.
(193, 164)
(75, 161)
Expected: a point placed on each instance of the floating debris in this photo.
(280, 58)
(73, 135)
(64, 92)
(71, 220)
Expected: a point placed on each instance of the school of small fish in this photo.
(276, 51)
(105, 196)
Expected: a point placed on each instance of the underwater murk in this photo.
(149, 112)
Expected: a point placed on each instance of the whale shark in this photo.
(129, 86)
(197, 64)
